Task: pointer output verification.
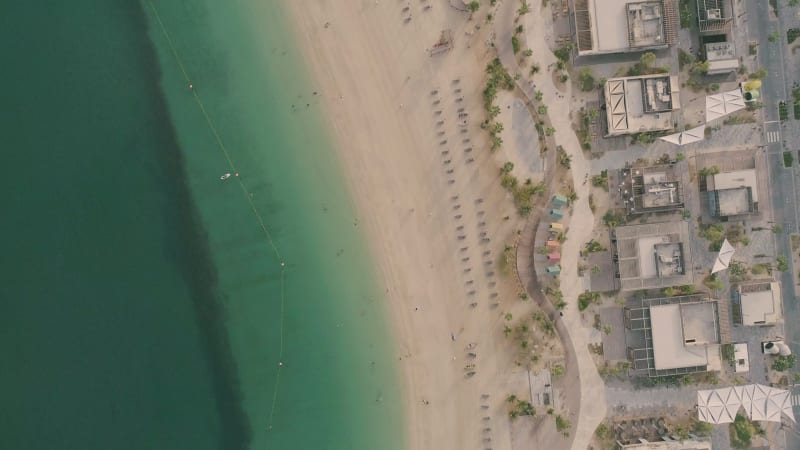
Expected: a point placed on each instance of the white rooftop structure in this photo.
(722, 66)
(735, 179)
(642, 103)
(759, 402)
(723, 257)
(696, 134)
(761, 306)
(721, 57)
(653, 255)
(684, 334)
(720, 105)
(616, 26)
(716, 51)
(741, 357)
(733, 193)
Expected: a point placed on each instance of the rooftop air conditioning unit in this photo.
(714, 13)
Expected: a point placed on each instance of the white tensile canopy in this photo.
(717, 405)
(759, 402)
(724, 257)
(720, 105)
(686, 137)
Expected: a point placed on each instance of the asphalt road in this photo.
(782, 71)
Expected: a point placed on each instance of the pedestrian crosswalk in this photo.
(773, 136)
(795, 399)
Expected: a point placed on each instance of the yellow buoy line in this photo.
(247, 197)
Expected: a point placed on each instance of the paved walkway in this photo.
(580, 368)
(625, 399)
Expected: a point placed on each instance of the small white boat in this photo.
(225, 177)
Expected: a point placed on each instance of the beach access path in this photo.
(591, 400)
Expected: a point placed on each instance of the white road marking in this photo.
(773, 136)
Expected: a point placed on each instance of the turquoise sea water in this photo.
(141, 303)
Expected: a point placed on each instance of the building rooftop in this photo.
(681, 333)
(722, 66)
(735, 179)
(674, 335)
(713, 16)
(721, 57)
(761, 303)
(652, 256)
(642, 103)
(741, 357)
(650, 189)
(733, 193)
(616, 26)
(716, 51)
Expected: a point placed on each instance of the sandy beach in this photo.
(429, 201)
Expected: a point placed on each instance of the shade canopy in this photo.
(759, 402)
(720, 105)
(723, 257)
(686, 137)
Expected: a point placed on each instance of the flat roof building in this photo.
(645, 190)
(760, 303)
(617, 26)
(673, 335)
(732, 193)
(652, 256)
(721, 57)
(681, 334)
(641, 103)
(741, 357)
(714, 16)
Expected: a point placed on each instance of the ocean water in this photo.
(104, 266)
(144, 302)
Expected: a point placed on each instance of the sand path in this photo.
(427, 214)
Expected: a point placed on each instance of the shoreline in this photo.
(307, 337)
(426, 211)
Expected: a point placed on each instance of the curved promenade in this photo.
(587, 405)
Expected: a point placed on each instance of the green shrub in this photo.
(515, 44)
(783, 363)
(563, 425)
(563, 53)
(742, 431)
(586, 79)
(587, 298)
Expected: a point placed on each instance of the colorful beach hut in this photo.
(554, 257)
(559, 201)
(553, 270)
(557, 213)
(553, 244)
(555, 226)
